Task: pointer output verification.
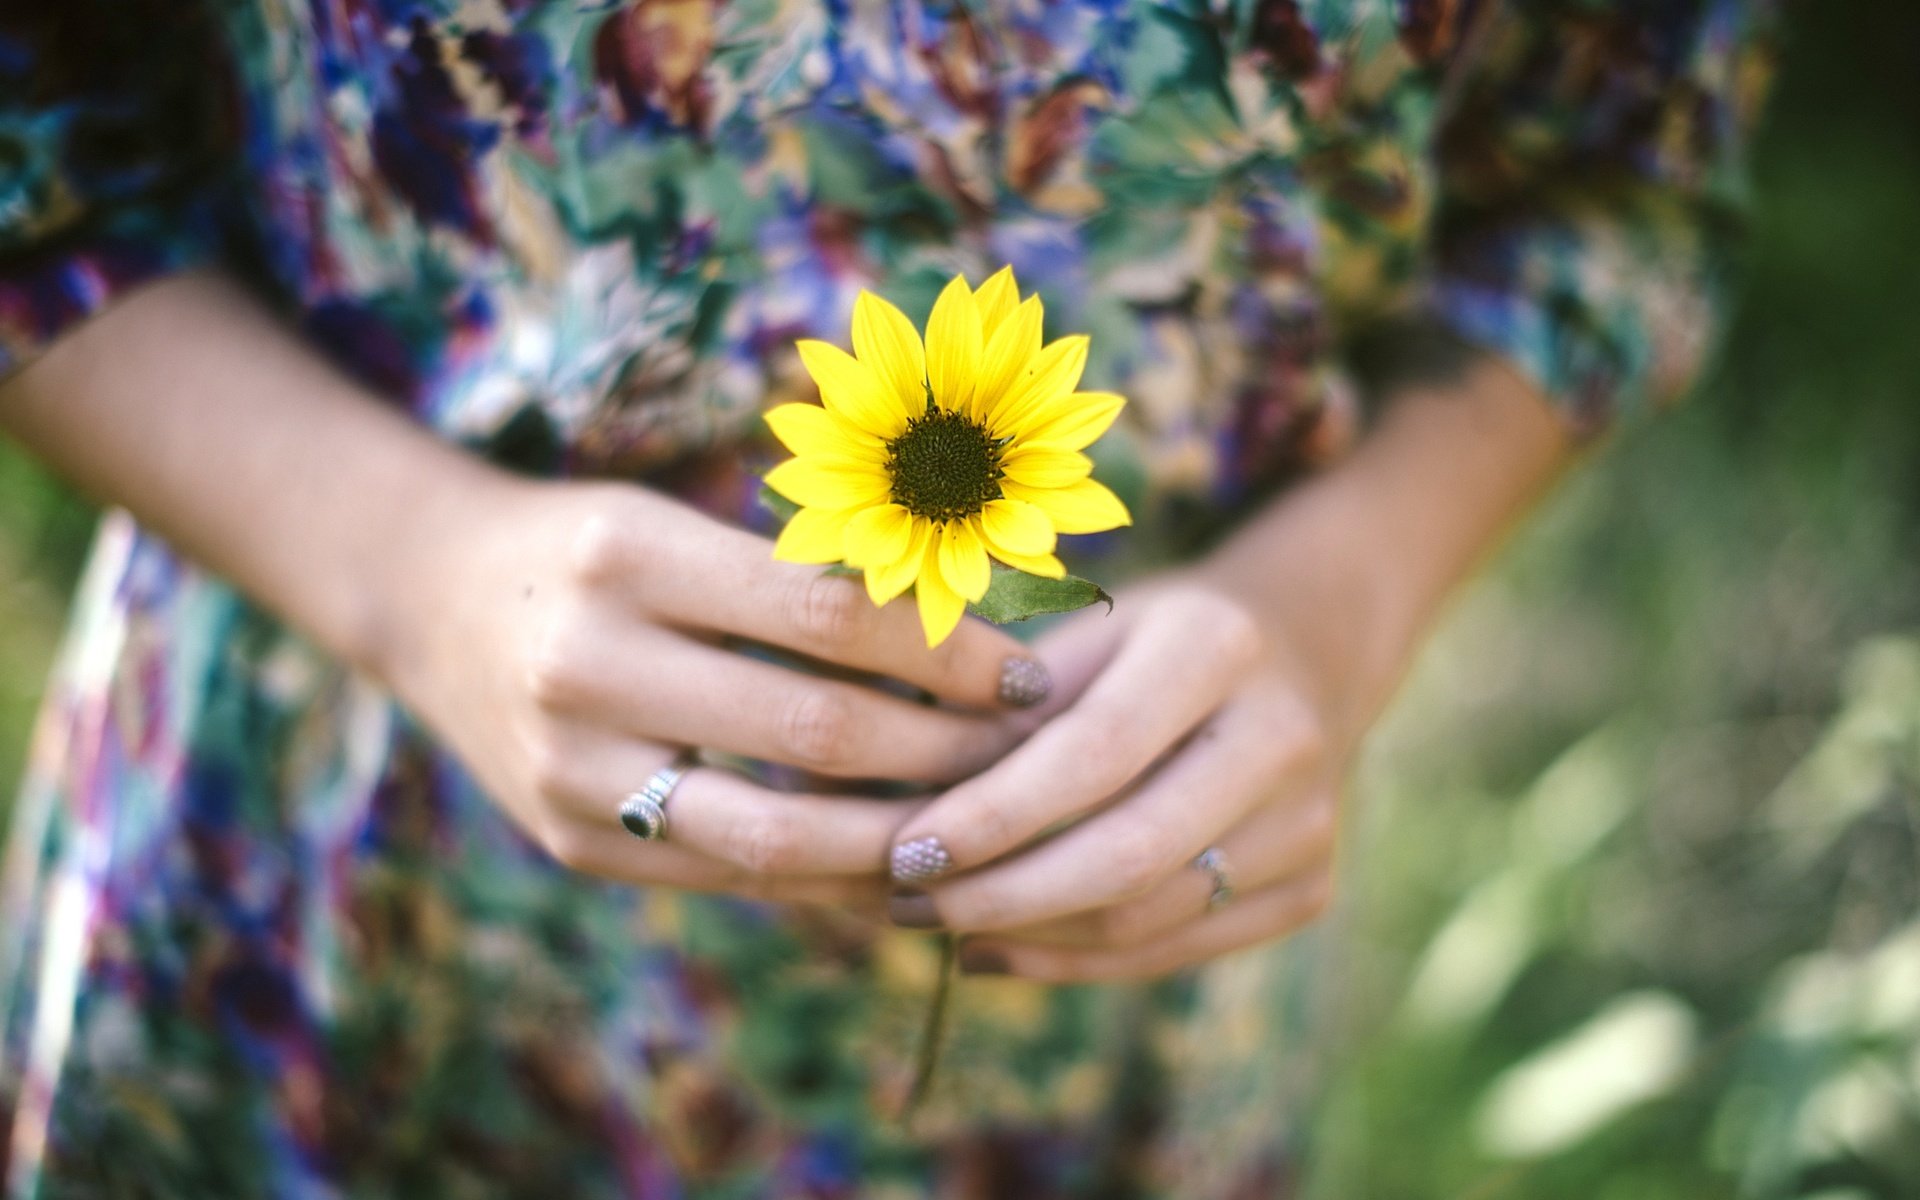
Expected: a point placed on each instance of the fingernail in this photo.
(913, 910)
(982, 960)
(1024, 682)
(920, 860)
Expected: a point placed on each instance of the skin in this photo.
(564, 638)
(1222, 705)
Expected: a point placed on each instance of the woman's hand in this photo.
(590, 630)
(1199, 729)
(564, 638)
(1219, 707)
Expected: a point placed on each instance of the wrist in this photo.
(1350, 570)
(1324, 581)
(423, 563)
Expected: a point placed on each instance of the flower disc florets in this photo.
(945, 467)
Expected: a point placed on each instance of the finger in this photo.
(695, 694)
(722, 817)
(1166, 676)
(1255, 748)
(1249, 921)
(1276, 843)
(608, 851)
(830, 617)
(1074, 652)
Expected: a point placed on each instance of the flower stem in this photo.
(933, 1035)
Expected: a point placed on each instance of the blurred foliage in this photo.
(1634, 866)
(1633, 909)
(43, 537)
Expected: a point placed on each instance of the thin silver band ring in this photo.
(644, 812)
(1213, 861)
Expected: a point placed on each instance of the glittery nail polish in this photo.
(920, 860)
(1024, 682)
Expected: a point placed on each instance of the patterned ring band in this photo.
(1213, 861)
(644, 812)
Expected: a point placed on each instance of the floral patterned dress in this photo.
(263, 937)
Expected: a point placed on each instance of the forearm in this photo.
(1361, 558)
(562, 640)
(190, 407)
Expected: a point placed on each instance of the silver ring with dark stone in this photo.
(644, 812)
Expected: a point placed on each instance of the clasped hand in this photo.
(1180, 726)
(598, 630)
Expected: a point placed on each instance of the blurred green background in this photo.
(1634, 870)
(1633, 891)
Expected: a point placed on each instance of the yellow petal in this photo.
(854, 392)
(1055, 371)
(830, 483)
(1009, 352)
(1044, 466)
(888, 343)
(887, 580)
(814, 535)
(996, 298)
(1083, 507)
(1044, 565)
(940, 606)
(963, 560)
(811, 429)
(1074, 421)
(879, 535)
(1016, 527)
(953, 346)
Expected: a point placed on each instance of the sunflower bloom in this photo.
(925, 461)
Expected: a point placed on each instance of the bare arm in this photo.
(190, 407)
(1221, 705)
(562, 637)
(1378, 544)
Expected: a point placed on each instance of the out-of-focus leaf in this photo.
(1629, 1052)
(1874, 738)
(1477, 954)
(1581, 798)
(781, 507)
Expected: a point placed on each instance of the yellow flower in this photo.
(923, 460)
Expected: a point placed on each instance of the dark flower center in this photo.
(944, 466)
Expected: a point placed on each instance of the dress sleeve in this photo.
(114, 134)
(1591, 183)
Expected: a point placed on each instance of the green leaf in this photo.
(781, 507)
(1016, 596)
